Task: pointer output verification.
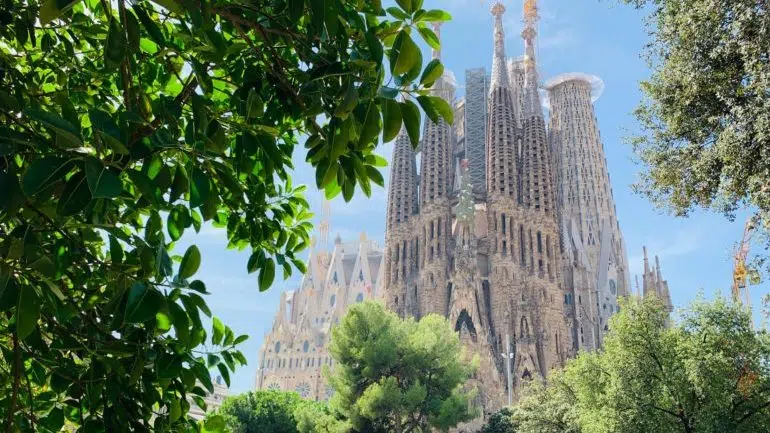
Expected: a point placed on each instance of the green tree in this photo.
(397, 375)
(124, 125)
(500, 422)
(261, 412)
(316, 417)
(546, 408)
(709, 373)
(705, 117)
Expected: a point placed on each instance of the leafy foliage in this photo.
(708, 374)
(706, 116)
(125, 125)
(500, 422)
(394, 375)
(260, 412)
(316, 417)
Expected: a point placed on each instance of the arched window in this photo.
(613, 287)
(360, 297)
(333, 300)
(277, 347)
(524, 328)
(305, 346)
(334, 278)
(361, 275)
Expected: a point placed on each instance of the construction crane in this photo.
(741, 273)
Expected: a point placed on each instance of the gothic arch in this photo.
(464, 320)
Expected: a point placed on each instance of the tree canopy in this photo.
(124, 125)
(397, 375)
(708, 373)
(261, 412)
(705, 117)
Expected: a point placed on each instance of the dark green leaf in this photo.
(436, 16)
(406, 5)
(267, 274)
(200, 188)
(116, 47)
(411, 115)
(53, 9)
(102, 182)
(190, 262)
(75, 195)
(391, 115)
(224, 372)
(150, 25)
(27, 312)
(404, 54)
(42, 173)
(57, 123)
(433, 71)
(143, 303)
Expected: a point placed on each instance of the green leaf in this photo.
(433, 71)
(102, 182)
(430, 38)
(267, 274)
(149, 24)
(162, 322)
(404, 54)
(116, 47)
(444, 109)
(75, 196)
(132, 30)
(42, 173)
(57, 123)
(204, 80)
(406, 5)
(427, 106)
(200, 188)
(391, 116)
(436, 16)
(143, 303)
(371, 124)
(256, 261)
(116, 251)
(190, 262)
(181, 184)
(53, 9)
(27, 312)
(217, 332)
(224, 372)
(174, 410)
(240, 339)
(199, 287)
(397, 13)
(375, 176)
(411, 115)
(181, 322)
(104, 124)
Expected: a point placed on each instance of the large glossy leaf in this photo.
(142, 303)
(102, 182)
(27, 311)
(190, 262)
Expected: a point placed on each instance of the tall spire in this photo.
(529, 34)
(499, 68)
(402, 190)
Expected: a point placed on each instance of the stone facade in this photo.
(295, 350)
(514, 239)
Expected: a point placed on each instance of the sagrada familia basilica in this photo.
(508, 229)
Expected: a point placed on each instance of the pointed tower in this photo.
(400, 262)
(435, 210)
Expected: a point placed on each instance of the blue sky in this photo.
(591, 36)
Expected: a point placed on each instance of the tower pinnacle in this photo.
(529, 34)
(499, 71)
